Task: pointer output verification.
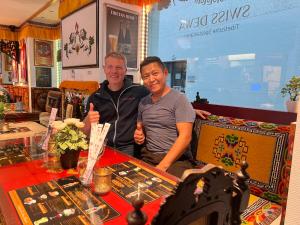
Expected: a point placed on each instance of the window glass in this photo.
(233, 52)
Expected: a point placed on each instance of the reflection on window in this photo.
(238, 53)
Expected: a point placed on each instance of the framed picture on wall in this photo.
(43, 76)
(80, 38)
(43, 53)
(7, 78)
(1, 62)
(122, 34)
(7, 63)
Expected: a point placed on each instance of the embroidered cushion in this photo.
(227, 142)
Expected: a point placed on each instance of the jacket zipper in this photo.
(117, 109)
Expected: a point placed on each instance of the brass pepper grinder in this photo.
(53, 157)
(137, 217)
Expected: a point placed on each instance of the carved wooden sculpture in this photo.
(205, 196)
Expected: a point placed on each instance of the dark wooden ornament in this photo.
(207, 196)
(137, 217)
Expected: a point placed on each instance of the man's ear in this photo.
(166, 72)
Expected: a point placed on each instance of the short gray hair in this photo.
(117, 55)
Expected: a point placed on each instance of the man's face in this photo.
(154, 78)
(114, 70)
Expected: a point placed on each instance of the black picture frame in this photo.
(81, 25)
(43, 76)
(122, 30)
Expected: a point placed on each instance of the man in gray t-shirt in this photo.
(165, 121)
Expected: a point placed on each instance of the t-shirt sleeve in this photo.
(184, 111)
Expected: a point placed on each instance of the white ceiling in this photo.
(17, 12)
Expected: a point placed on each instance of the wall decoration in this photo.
(43, 76)
(80, 38)
(0, 62)
(7, 78)
(43, 53)
(23, 61)
(7, 63)
(10, 48)
(122, 34)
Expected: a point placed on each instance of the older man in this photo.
(116, 102)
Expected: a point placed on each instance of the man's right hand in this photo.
(92, 117)
(139, 136)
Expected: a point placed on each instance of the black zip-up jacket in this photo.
(123, 115)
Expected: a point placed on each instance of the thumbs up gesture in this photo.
(92, 117)
(139, 136)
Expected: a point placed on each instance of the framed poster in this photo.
(7, 63)
(7, 78)
(122, 34)
(43, 53)
(43, 76)
(80, 38)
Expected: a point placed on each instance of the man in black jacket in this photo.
(116, 102)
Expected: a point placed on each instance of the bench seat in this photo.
(227, 141)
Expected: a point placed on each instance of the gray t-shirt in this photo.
(159, 119)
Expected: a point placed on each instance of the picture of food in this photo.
(29, 201)
(53, 193)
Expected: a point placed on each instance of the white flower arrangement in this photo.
(68, 135)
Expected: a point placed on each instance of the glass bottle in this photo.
(127, 41)
(121, 38)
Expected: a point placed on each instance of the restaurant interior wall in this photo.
(32, 68)
(237, 53)
(97, 74)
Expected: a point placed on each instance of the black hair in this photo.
(152, 59)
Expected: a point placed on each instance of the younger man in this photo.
(165, 121)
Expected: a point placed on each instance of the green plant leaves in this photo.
(70, 138)
(292, 88)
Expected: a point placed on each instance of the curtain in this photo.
(15, 71)
(30, 30)
(39, 32)
(66, 7)
(23, 61)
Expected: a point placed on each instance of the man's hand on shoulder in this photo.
(202, 113)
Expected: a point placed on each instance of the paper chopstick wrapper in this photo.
(49, 130)
(97, 137)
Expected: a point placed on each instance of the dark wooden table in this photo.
(14, 116)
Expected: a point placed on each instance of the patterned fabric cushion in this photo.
(227, 142)
(261, 211)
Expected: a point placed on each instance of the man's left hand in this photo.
(202, 113)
